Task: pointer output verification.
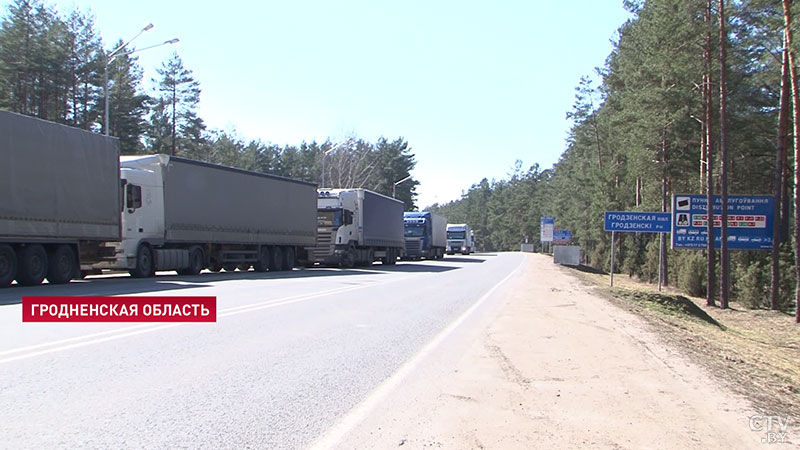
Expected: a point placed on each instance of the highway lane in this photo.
(290, 355)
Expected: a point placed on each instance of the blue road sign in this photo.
(750, 220)
(562, 236)
(638, 222)
(547, 224)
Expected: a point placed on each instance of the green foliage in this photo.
(175, 127)
(751, 284)
(692, 274)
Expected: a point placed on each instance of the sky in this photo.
(472, 86)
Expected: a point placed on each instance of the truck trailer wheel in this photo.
(276, 263)
(262, 265)
(32, 265)
(145, 266)
(214, 266)
(288, 258)
(390, 259)
(61, 265)
(196, 262)
(8, 265)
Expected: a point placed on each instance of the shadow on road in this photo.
(411, 268)
(122, 284)
(457, 259)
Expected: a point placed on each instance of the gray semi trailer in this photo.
(59, 200)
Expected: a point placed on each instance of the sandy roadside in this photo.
(553, 366)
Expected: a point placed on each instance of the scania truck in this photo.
(357, 227)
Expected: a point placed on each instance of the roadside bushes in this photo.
(692, 273)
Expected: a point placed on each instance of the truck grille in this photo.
(413, 246)
(323, 247)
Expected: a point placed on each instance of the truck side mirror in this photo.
(348, 217)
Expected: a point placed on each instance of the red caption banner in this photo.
(119, 309)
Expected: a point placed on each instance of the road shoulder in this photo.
(553, 365)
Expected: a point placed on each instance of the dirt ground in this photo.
(559, 362)
(753, 352)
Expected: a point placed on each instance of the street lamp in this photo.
(110, 57)
(324, 154)
(394, 186)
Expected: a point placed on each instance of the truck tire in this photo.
(214, 265)
(145, 266)
(262, 265)
(61, 265)
(243, 267)
(32, 265)
(8, 265)
(289, 260)
(276, 263)
(196, 262)
(370, 258)
(390, 259)
(348, 258)
(229, 267)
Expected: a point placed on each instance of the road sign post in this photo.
(612, 258)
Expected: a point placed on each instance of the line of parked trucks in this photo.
(71, 206)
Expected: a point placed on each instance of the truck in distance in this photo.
(357, 227)
(425, 235)
(459, 239)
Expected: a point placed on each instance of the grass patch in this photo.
(674, 305)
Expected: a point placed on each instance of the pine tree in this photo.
(175, 127)
(127, 104)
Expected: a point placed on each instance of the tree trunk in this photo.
(708, 119)
(796, 128)
(664, 205)
(783, 124)
(174, 119)
(723, 154)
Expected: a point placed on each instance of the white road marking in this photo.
(56, 346)
(333, 437)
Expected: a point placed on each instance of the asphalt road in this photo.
(289, 356)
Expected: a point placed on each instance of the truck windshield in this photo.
(329, 217)
(415, 230)
(456, 234)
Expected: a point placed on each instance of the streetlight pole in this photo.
(110, 57)
(394, 186)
